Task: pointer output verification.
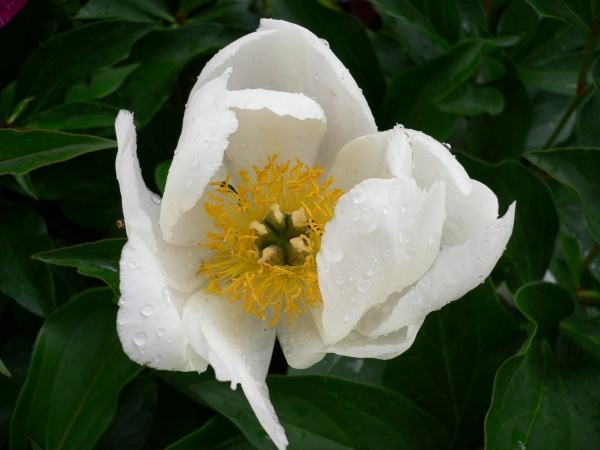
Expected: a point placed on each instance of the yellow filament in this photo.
(236, 270)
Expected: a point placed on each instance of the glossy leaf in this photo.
(577, 168)
(74, 116)
(28, 282)
(217, 434)
(73, 55)
(577, 13)
(77, 359)
(536, 223)
(160, 175)
(103, 82)
(585, 332)
(98, 259)
(132, 10)
(23, 151)
(471, 100)
(336, 414)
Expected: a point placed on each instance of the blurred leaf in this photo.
(585, 332)
(346, 36)
(189, 5)
(132, 423)
(327, 412)
(449, 370)
(470, 100)
(7, 102)
(162, 55)
(437, 18)
(538, 403)
(102, 83)
(23, 151)
(577, 13)
(577, 168)
(365, 370)
(536, 223)
(51, 69)
(494, 138)
(94, 259)
(74, 116)
(547, 111)
(3, 370)
(28, 282)
(587, 129)
(160, 175)
(76, 373)
(217, 434)
(132, 10)
(557, 74)
(411, 96)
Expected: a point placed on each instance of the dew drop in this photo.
(403, 207)
(132, 265)
(325, 43)
(358, 196)
(370, 273)
(402, 236)
(386, 210)
(362, 285)
(339, 280)
(147, 310)
(333, 254)
(160, 332)
(139, 338)
(167, 296)
(448, 146)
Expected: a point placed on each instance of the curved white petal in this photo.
(379, 155)
(238, 128)
(386, 346)
(384, 235)
(301, 340)
(282, 56)
(148, 322)
(456, 271)
(238, 347)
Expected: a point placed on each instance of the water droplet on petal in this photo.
(358, 196)
(147, 310)
(333, 254)
(167, 296)
(160, 332)
(386, 210)
(139, 338)
(132, 265)
(362, 285)
(339, 280)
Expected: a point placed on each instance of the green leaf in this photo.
(103, 82)
(161, 56)
(98, 259)
(578, 13)
(538, 403)
(587, 129)
(557, 74)
(28, 282)
(470, 100)
(346, 36)
(536, 223)
(74, 116)
(410, 97)
(76, 373)
(585, 332)
(577, 168)
(330, 413)
(494, 138)
(160, 175)
(23, 151)
(547, 111)
(217, 434)
(4, 370)
(440, 19)
(449, 370)
(355, 369)
(132, 10)
(51, 69)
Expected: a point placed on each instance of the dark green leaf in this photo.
(132, 10)
(547, 111)
(355, 369)
(330, 413)
(23, 151)
(102, 83)
(51, 69)
(536, 223)
(411, 96)
(77, 362)
(94, 259)
(74, 116)
(346, 36)
(557, 74)
(160, 175)
(449, 370)
(470, 100)
(577, 168)
(4, 370)
(587, 129)
(504, 135)
(217, 434)
(578, 13)
(28, 282)
(585, 332)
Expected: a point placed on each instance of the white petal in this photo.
(387, 346)
(456, 271)
(285, 57)
(238, 128)
(379, 155)
(238, 347)
(301, 340)
(148, 322)
(384, 235)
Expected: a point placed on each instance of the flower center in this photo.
(267, 232)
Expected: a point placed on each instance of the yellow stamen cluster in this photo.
(267, 279)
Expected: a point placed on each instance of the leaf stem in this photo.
(582, 86)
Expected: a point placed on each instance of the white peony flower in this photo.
(287, 214)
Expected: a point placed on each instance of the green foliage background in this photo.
(512, 85)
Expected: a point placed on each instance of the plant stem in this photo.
(582, 87)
